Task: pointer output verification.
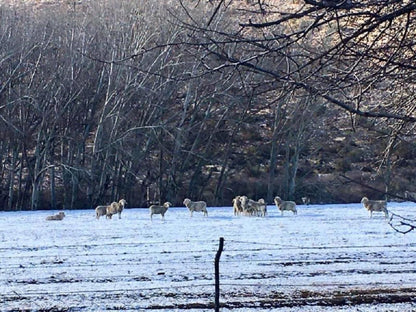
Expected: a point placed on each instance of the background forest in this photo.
(162, 100)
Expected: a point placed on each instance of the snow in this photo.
(305, 262)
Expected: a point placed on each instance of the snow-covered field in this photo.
(327, 258)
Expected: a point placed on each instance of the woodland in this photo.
(156, 101)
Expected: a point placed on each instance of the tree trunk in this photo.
(273, 156)
(11, 179)
(36, 179)
(294, 162)
(52, 190)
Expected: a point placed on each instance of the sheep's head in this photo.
(62, 214)
(261, 201)
(167, 205)
(277, 200)
(364, 200)
(186, 201)
(122, 202)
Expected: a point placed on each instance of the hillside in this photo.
(150, 102)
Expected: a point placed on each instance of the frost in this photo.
(327, 257)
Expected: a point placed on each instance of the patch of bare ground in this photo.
(335, 298)
(249, 300)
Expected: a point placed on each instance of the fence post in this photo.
(217, 274)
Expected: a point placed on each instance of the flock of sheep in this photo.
(110, 210)
(242, 205)
(107, 211)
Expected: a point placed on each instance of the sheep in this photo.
(285, 205)
(375, 205)
(59, 216)
(306, 200)
(122, 204)
(196, 206)
(115, 208)
(238, 208)
(262, 207)
(244, 204)
(111, 209)
(258, 208)
(100, 211)
(156, 209)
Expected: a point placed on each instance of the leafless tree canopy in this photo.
(162, 100)
(358, 55)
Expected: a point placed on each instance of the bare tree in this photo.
(354, 56)
(102, 100)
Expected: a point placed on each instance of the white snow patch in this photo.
(132, 263)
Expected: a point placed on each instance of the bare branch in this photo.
(402, 225)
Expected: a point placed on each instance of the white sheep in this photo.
(244, 204)
(306, 200)
(263, 207)
(115, 208)
(238, 209)
(111, 209)
(156, 209)
(196, 206)
(375, 205)
(59, 216)
(258, 208)
(283, 205)
(100, 211)
(122, 204)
